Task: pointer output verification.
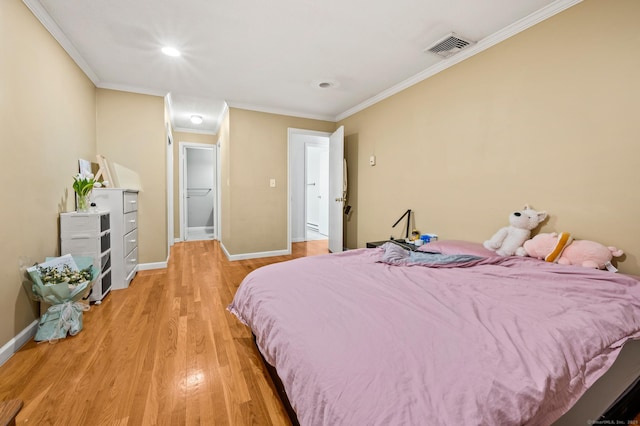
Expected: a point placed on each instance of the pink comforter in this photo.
(506, 341)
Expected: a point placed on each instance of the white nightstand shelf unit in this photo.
(89, 234)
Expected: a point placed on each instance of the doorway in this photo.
(299, 182)
(305, 185)
(198, 189)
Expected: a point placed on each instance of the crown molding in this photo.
(198, 131)
(548, 11)
(280, 111)
(132, 89)
(45, 19)
(487, 42)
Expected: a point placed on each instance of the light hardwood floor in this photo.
(165, 351)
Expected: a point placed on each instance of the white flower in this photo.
(83, 183)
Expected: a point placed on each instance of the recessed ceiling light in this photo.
(324, 84)
(196, 119)
(170, 51)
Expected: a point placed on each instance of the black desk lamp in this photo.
(408, 214)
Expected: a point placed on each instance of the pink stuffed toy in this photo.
(561, 248)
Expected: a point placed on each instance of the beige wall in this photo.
(131, 132)
(548, 117)
(177, 138)
(254, 215)
(47, 113)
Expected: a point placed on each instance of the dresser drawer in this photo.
(130, 202)
(85, 246)
(130, 241)
(130, 221)
(83, 225)
(130, 262)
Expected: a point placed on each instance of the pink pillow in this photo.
(457, 247)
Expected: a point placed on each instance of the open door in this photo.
(337, 190)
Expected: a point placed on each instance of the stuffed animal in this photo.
(508, 240)
(561, 248)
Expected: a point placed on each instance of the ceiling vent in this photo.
(449, 45)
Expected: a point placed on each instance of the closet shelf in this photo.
(202, 192)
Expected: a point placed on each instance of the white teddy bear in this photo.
(509, 240)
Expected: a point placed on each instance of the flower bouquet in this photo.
(61, 282)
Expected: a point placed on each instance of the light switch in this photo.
(272, 183)
(372, 160)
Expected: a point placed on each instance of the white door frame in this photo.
(170, 228)
(181, 157)
(217, 234)
(290, 133)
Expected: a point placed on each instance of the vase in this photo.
(83, 202)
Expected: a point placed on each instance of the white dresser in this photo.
(123, 206)
(89, 234)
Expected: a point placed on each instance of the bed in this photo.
(389, 336)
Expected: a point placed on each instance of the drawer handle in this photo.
(132, 201)
(133, 260)
(132, 221)
(132, 241)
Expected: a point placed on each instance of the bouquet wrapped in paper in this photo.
(62, 282)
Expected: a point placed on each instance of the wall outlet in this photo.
(372, 160)
(272, 183)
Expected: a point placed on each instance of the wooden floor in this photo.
(165, 351)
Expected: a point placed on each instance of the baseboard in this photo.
(298, 240)
(153, 265)
(180, 240)
(255, 255)
(18, 341)
(200, 228)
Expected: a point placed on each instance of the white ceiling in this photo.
(270, 55)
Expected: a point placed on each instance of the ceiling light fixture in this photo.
(170, 51)
(196, 119)
(325, 84)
